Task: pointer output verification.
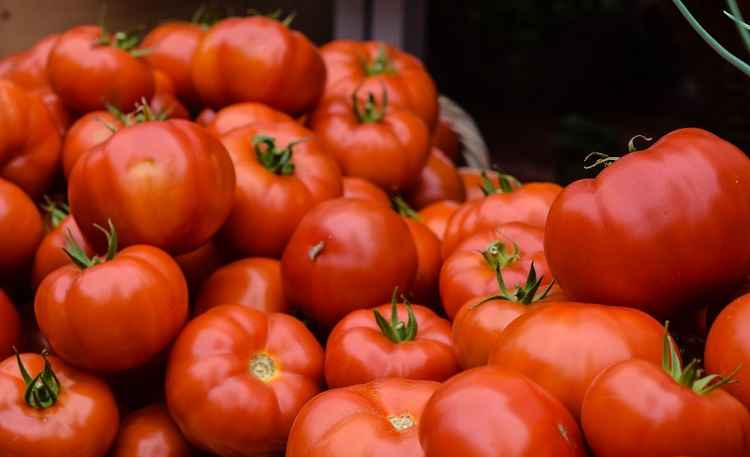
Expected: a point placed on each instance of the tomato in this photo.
(436, 216)
(637, 407)
(370, 66)
(359, 134)
(476, 185)
(362, 348)
(258, 59)
(237, 377)
(242, 114)
(164, 102)
(445, 138)
(90, 130)
(66, 412)
(29, 69)
(491, 412)
(168, 184)
(150, 432)
(347, 254)
(365, 190)
(199, 264)
(439, 180)
(29, 140)
(115, 312)
(57, 110)
(562, 346)
(21, 229)
(253, 282)
(205, 117)
(10, 326)
(377, 419)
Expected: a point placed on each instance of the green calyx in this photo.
(57, 211)
(396, 330)
(401, 207)
(381, 64)
(127, 41)
(369, 113)
(276, 15)
(78, 256)
(498, 258)
(524, 294)
(596, 159)
(275, 160)
(506, 183)
(43, 390)
(206, 16)
(144, 113)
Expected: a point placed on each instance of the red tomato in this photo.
(446, 139)
(68, 413)
(168, 184)
(436, 216)
(88, 131)
(164, 102)
(370, 66)
(10, 326)
(89, 68)
(475, 183)
(199, 264)
(563, 346)
(205, 117)
(347, 254)
(258, 59)
(359, 134)
(439, 180)
(377, 419)
(112, 313)
(29, 69)
(364, 190)
(29, 140)
(429, 260)
(150, 432)
(57, 110)
(242, 114)
(253, 282)
(490, 412)
(20, 229)
(362, 348)
(237, 377)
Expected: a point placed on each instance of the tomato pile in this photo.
(222, 240)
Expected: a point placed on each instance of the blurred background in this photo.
(547, 81)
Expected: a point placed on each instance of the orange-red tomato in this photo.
(429, 261)
(242, 114)
(150, 432)
(253, 282)
(364, 190)
(237, 377)
(205, 117)
(29, 69)
(446, 139)
(21, 229)
(90, 130)
(377, 419)
(10, 326)
(57, 109)
(436, 216)
(472, 178)
(199, 264)
(50, 255)
(439, 180)
(491, 412)
(164, 102)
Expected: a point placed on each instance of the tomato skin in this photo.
(636, 398)
(364, 190)
(29, 69)
(367, 251)
(267, 206)
(429, 261)
(436, 216)
(213, 394)
(199, 264)
(439, 180)
(205, 117)
(150, 432)
(241, 114)
(164, 100)
(57, 110)
(491, 412)
(445, 138)
(635, 222)
(21, 229)
(253, 282)
(10, 326)
(83, 422)
(90, 130)
(50, 255)
(94, 321)
(355, 421)
(174, 194)
(562, 346)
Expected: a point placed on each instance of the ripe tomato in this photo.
(364, 190)
(90, 130)
(347, 254)
(436, 216)
(445, 138)
(281, 174)
(638, 226)
(112, 313)
(359, 134)
(199, 264)
(253, 282)
(89, 68)
(29, 69)
(29, 140)
(164, 102)
(562, 346)
(370, 66)
(10, 326)
(242, 114)
(490, 412)
(362, 348)
(478, 185)
(439, 180)
(205, 117)
(248, 372)
(168, 184)
(150, 432)
(57, 110)
(377, 419)
(258, 59)
(53, 410)
(20, 229)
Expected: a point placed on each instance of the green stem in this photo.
(505, 183)
(275, 160)
(403, 208)
(57, 211)
(79, 257)
(127, 41)
(396, 330)
(43, 390)
(525, 294)
(742, 27)
(381, 64)
(369, 112)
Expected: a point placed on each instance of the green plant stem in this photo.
(737, 13)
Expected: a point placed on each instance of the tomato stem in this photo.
(506, 183)
(275, 160)
(57, 211)
(603, 159)
(403, 208)
(369, 113)
(78, 256)
(524, 294)
(275, 15)
(397, 330)
(631, 143)
(127, 41)
(381, 64)
(43, 390)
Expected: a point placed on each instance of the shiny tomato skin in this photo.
(150, 432)
(88, 131)
(83, 422)
(357, 351)
(29, 69)
(226, 403)
(491, 412)
(638, 226)
(50, 255)
(10, 326)
(639, 399)
(563, 346)
(165, 183)
(445, 138)
(268, 206)
(347, 254)
(429, 261)
(363, 189)
(241, 114)
(438, 180)
(165, 102)
(356, 421)
(61, 116)
(436, 216)
(21, 229)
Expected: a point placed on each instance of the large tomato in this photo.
(48, 409)
(347, 254)
(479, 183)
(21, 229)
(359, 134)
(150, 432)
(445, 138)
(363, 189)
(10, 326)
(258, 59)
(29, 140)
(90, 130)
(413, 343)
(562, 346)
(436, 216)
(242, 114)
(59, 112)
(438, 180)
(199, 264)
(29, 69)
(164, 103)
(282, 173)
(377, 419)
(165, 183)
(237, 377)
(89, 68)
(115, 312)
(253, 282)
(490, 412)
(370, 66)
